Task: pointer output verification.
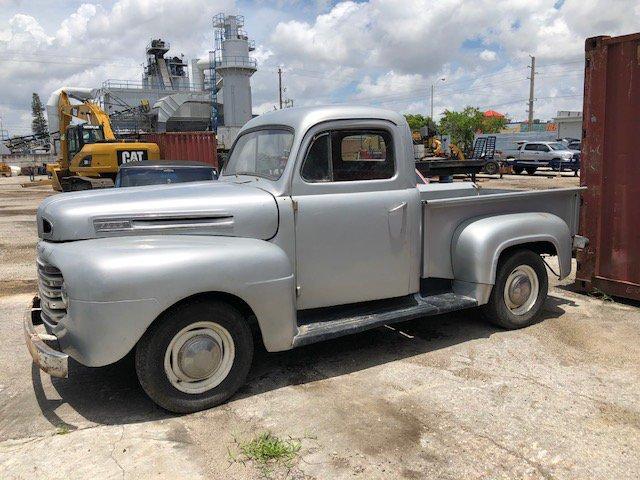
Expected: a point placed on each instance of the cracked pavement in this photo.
(446, 397)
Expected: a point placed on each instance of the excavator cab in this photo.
(80, 135)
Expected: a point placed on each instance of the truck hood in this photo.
(200, 208)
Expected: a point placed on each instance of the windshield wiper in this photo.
(255, 174)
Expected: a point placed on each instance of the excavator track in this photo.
(77, 183)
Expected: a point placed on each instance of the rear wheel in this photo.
(195, 357)
(519, 292)
(531, 170)
(518, 170)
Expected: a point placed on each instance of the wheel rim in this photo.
(199, 357)
(521, 290)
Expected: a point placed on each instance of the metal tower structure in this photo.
(232, 63)
(214, 90)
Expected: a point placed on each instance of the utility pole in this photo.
(280, 86)
(531, 84)
(432, 89)
(432, 101)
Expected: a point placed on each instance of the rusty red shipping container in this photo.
(195, 146)
(610, 167)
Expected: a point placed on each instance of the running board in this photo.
(327, 323)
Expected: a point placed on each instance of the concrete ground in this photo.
(446, 397)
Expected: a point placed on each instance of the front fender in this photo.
(478, 243)
(118, 286)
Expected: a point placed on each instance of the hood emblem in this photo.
(111, 225)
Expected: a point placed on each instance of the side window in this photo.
(542, 148)
(349, 155)
(531, 146)
(361, 155)
(316, 166)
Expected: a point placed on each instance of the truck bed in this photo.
(443, 211)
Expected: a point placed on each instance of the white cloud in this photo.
(488, 55)
(391, 43)
(386, 52)
(93, 44)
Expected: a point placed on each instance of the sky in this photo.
(386, 53)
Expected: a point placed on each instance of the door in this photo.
(544, 153)
(352, 217)
(530, 153)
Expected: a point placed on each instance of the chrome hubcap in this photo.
(521, 289)
(199, 357)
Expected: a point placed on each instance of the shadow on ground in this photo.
(111, 395)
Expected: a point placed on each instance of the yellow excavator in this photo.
(89, 154)
(434, 144)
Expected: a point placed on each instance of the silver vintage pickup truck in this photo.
(315, 229)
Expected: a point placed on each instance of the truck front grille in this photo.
(50, 287)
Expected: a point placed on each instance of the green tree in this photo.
(462, 126)
(417, 121)
(39, 123)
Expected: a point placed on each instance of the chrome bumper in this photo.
(50, 361)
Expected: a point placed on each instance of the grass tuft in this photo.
(268, 451)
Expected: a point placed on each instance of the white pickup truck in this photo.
(530, 156)
(315, 229)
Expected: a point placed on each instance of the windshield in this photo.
(136, 177)
(262, 152)
(557, 146)
(92, 135)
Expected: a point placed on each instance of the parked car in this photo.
(156, 172)
(530, 156)
(315, 229)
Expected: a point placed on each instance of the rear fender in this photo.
(478, 243)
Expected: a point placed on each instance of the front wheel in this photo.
(519, 292)
(194, 357)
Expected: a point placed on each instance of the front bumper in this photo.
(49, 360)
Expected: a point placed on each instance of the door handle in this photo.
(399, 207)
(397, 221)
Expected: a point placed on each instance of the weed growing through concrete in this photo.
(268, 451)
(597, 293)
(62, 430)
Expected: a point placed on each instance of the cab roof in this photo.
(303, 118)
